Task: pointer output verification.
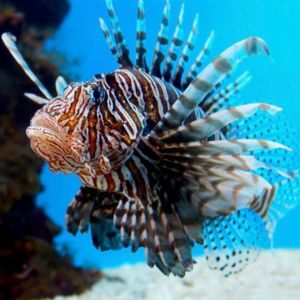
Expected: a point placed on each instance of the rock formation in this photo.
(30, 266)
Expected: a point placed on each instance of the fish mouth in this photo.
(41, 128)
(39, 132)
(48, 142)
(51, 142)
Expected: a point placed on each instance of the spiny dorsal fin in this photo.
(217, 101)
(174, 47)
(204, 83)
(118, 35)
(109, 40)
(141, 37)
(162, 41)
(189, 46)
(196, 66)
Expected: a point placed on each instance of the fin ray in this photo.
(109, 40)
(196, 66)
(204, 83)
(205, 127)
(118, 35)
(10, 42)
(141, 37)
(184, 58)
(162, 42)
(176, 43)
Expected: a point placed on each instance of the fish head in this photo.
(81, 131)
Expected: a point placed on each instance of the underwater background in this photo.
(275, 80)
(37, 254)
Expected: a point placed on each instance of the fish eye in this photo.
(98, 95)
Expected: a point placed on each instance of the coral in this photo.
(30, 266)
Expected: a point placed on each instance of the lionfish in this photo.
(165, 158)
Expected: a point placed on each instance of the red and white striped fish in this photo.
(165, 161)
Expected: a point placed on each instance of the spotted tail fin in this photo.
(282, 129)
(286, 199)
(232, 242)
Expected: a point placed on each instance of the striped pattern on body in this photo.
(131, 97)
(156, 167)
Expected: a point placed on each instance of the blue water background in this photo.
(275, 81)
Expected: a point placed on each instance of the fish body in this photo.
(97, 125)
(165, 161)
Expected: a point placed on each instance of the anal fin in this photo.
(94, 209)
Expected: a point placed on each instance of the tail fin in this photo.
(232, 242)
(282, 129)
(286, 199)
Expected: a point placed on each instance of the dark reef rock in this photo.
(41, 13)
(30, 266)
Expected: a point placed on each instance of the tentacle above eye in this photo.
(60, 85)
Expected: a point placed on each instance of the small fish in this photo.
(167, 160)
